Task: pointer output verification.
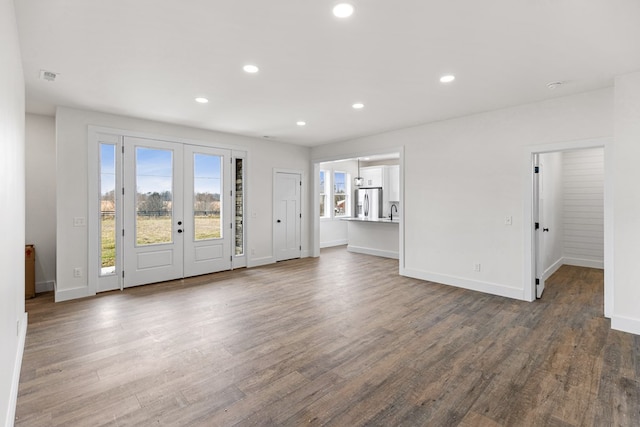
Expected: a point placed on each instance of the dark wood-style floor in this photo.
(341, 340)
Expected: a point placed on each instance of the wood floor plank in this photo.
(336, 340)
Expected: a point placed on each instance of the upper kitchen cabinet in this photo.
(372, 176)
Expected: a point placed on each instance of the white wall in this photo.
(333, 231)
(40, 153)
(583, 182)
(463, 176)
(71, 172)
(626, 205)
(551, 195)
(12, 193)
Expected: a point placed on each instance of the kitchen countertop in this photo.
(377, 220)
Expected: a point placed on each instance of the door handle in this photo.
(179, 230)
(278, 221)
(545, 229)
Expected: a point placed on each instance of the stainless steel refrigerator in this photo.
(369, 203)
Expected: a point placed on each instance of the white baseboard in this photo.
(376, 252)
(473, 285)
(47, 286)
(578, 262)
(75, 293)
(626, 324)
(549, 271)
(17, 366)
(333, 243)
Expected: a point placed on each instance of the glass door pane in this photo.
(107, 209)
(154, 196)
(207, 204)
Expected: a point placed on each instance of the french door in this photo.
(176, 204)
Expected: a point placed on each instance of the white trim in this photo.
(528, 279)
(554, 267)
(473, 285)
(17, 366)
(590, 263)
(332, 243)
(47, 286)
(371, 251)
(75, 293)
(625, 324)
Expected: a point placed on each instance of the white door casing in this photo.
(287, 215)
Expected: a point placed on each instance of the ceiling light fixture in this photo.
(301, 123)
(554, 85)
(202, 100)
(343, 10)
(249, 68)
(358, 106)
(447, 79)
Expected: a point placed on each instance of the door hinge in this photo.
(123, 232)
(300, 247)
(230, 225)
(123, 274)
(536, 169)
(230, 258)
(537, 226)
(122, 149)
(300, 215)
(123, 191)
(231, 193)
(537, 282)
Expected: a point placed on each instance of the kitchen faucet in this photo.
(393, 205)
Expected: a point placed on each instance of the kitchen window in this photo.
(324, 212)
(341, 190)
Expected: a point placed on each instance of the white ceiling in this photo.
(151, 58)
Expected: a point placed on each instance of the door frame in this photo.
(303, 243)
(528, 223)
(98, 134)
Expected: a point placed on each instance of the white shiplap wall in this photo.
(583, 182)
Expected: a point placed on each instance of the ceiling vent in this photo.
(49, 76)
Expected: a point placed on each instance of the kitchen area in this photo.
(360, 204)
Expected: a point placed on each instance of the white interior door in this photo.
(287, 213)
(153, 211)
(208, 224)
(538, 204)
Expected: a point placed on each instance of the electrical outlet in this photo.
(508, 220)
(253, 251)
(77, 272)
(476, 267)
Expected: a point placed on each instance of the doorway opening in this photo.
(568, 220)
(339, 184)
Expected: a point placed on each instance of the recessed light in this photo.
(358, 106)
(301, 123)
(343, 10)
(251, 68)
(202, 100)
(447, 79)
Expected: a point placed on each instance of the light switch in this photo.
(79, 221)
(508, 220)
